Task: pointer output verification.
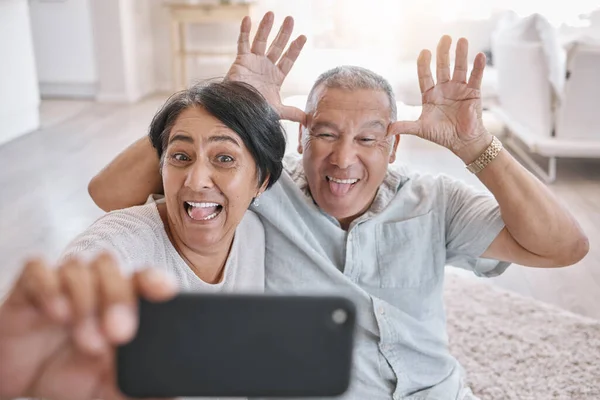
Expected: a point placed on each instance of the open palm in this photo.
(451, 112)
(266, 70)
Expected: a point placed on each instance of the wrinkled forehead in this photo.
(356, 104)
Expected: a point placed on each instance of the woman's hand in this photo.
(59, 327)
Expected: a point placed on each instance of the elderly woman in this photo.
(220, 146)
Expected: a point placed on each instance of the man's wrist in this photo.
(474, 149)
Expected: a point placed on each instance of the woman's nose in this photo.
(199, 177)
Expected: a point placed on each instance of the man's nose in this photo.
(343, 154)
(199, 177)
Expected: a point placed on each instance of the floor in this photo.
(44, 201)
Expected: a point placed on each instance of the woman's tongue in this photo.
(201, 212)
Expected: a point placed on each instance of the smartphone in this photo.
(236, 345)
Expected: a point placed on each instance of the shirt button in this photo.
(396, 397)
(381, 311)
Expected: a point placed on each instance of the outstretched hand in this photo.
(451, 113)
(59, 328)
(266, 70)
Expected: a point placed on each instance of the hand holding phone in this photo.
(60, 325)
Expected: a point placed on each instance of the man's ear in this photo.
(394, 148)
(300, 147)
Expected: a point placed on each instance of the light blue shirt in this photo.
(391, 262)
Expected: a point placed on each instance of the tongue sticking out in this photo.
(339, 189)
(202, 212)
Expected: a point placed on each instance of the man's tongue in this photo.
(339, 189)
(202, 212)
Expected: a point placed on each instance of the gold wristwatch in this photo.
(486, 157)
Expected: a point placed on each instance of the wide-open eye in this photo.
(225, 159)
(181, 157)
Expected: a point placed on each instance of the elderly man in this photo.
(340, 219)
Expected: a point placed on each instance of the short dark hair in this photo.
(242, 109)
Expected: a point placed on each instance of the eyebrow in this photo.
(223, 138)
(325, 124)
(181, 137)
(215, 138)
(374, 124)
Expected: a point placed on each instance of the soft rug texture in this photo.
(514, 347)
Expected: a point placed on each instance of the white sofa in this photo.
(548, 102)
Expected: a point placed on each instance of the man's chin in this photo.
(341, 212)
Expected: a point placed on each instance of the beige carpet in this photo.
(516, 348)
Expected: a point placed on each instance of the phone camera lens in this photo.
(339, 316)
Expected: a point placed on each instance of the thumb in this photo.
(292, 114)
(155, 285)
(405, 128)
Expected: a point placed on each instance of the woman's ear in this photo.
(264, 185)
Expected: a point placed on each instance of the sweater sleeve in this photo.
(129, 235)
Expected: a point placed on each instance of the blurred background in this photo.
(121, 50)
(81, 79)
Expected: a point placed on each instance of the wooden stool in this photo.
(189, 12)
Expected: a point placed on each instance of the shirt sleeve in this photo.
(472, 222)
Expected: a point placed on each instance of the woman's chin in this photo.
(203, 233)
(203, 242)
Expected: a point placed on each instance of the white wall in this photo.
(161, 34)
(62, 35)
(140, 47)
(19, 96)
(123, 37)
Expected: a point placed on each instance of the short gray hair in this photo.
(350, 78)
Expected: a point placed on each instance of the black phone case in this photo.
(239, 345)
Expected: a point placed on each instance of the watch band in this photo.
(486, 157)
